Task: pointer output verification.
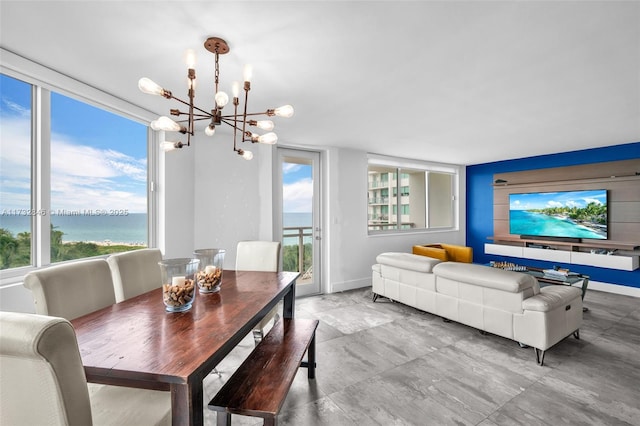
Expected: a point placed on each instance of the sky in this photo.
(297, 188)
(541, 200)
(98, 159)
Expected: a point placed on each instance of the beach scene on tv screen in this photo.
(572, 214)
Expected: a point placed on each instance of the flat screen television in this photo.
(567, 214)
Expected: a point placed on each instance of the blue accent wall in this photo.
(480, 204)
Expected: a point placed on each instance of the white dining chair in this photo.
(135, 272)
(73, 289)
(259, 256)
(43, 380)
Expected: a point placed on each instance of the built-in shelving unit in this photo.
(622, 181)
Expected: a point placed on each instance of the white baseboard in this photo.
(614, 288)
(350, 285)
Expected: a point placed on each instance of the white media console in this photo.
(568, 253)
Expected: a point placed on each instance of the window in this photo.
(73, 187)
(15, 173)
(425, 194)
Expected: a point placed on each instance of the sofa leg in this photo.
(576, 334)
(484, 333)
(539, 356)
(375, 297)
(522, 345)
(446, 320)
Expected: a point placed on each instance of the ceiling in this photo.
(463, 82)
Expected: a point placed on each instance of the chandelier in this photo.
(238, 121)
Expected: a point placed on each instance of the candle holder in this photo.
(178, 283)
(209, 275)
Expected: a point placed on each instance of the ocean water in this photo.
(296, 220)
(129, 229)
(531, 223)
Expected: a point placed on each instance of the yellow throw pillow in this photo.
(434, 252)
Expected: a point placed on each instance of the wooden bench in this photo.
(260, 385)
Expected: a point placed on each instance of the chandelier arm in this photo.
(247, 87)
(194, 107)
(249, 114)
(232, 117)
(231, 123)
(257, 113)
(235, 121)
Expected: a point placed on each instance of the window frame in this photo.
(402, 164)
(43, 81)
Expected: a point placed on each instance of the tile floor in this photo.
(386, 363)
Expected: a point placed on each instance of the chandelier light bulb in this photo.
(190, 58)
(146, 85)
(268, 138)
(167, 146)
(221, 99)
(209, 131)
(247, 72)
(285, 111)
(247, 155)
(166, 124)
(235, 89)
(265, 125)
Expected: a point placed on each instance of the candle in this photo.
(179, 281)
(209, 269)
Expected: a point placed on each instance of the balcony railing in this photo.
(373, 226)
(299, 233)
(384, 200)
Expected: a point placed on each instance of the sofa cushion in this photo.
(409, 261)
(486, 276)
(551, 297)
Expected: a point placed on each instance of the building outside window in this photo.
(73, 178)
(425, 194)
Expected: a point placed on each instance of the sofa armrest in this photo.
(552, 297)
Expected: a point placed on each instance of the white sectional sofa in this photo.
(505, 303)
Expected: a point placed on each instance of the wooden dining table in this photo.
(137, 343)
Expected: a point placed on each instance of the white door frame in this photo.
(315, 287)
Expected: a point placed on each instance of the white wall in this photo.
(234, 202)
(350, 251)
(176, 185)
(228, 204)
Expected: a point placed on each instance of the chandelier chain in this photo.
(217, 72)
